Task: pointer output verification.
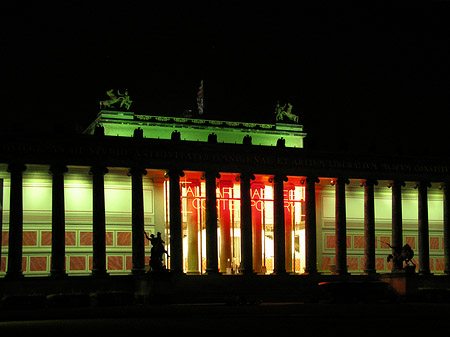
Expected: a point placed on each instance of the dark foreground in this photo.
(319, 319)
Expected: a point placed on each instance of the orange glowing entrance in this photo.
(228, 195)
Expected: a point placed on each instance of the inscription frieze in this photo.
(222, 157)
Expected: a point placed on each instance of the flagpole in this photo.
(200, 101)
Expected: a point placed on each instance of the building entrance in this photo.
(228, 197)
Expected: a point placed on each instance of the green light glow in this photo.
(123, 124)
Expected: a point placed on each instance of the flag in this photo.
(200, 98)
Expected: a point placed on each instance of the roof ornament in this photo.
(122, 99)
(283, 112)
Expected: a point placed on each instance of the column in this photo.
(98, 218)
(193, 207)
(226, 190)
(310, 225)
(424, 241)
(15, 221)
(137, 220)
(397, 240)
(341, 227)
(1, 217)
(446, 194)
(246, 224)
(257, 190)
(176, 232)
(288, 225)
(211, 223)
(58, 264)
(369, 226)
(279, 225)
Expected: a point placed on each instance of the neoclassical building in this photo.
(228, 198)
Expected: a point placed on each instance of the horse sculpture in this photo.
(124, 100)
(282, 111)
(401, 256)
(157, 252)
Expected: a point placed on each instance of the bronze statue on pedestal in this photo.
(157, 251)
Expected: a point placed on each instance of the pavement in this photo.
(212, 319)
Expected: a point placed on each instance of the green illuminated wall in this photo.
(78, 204)
(383, 225)
(117, 123)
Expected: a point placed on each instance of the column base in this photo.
(58, 274)
(100, 273)
(14, 275)
(138, 272)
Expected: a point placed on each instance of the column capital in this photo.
(173, 172)
(311, 180)
(369, 182)
(175, 136)
(16, 166)
(278, 178)
(211, 174)
(341, 180)
(98, 169)
(245, 176)
(138, 133)
(57, 169)
(393, 183)
(136, 171)
(99, 130)
(423, 183)
(212, 138)
(444, 185)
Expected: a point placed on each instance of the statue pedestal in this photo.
(404, 282)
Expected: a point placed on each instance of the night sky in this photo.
(369, 78)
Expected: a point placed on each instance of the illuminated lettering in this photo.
(256, 194)
(226, 200)
(189, 190)
(226, 192)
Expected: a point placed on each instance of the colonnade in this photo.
(14, 268)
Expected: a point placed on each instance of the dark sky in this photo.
(356, 76)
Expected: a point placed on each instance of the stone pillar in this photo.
(369, 226)
(246, 224)
(288, 225)
(193, 206)
(341, 227)
(58, 264)
(279, 225)
(310, 225)
(1, 219)
(446, 195)
(211, 223)
(15, 221)
(226, 190)
(257, 190)
(424, 241)
(99, 223)
(176, 231)
(397, 235)
(137, 220)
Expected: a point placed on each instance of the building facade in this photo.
(227, 197)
